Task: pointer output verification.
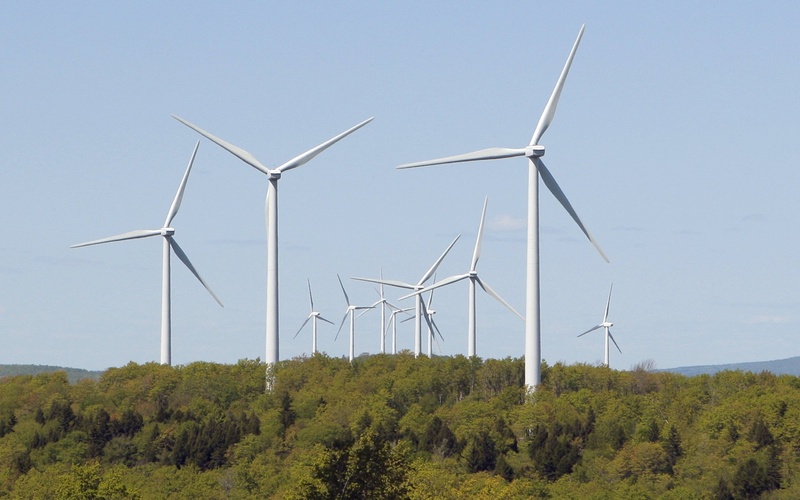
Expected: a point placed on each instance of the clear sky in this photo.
(676, 140)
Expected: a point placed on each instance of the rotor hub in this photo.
(536, 150)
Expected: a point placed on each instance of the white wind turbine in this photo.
(273, 175)
(472, 275)
(533, 151)
(350, 311)
(383, 302)
(169, 242)
(419, 286)
(393, 325)
(606, 325)
(313, 317)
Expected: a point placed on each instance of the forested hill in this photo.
(73, 374)
(788, 366)
(398, 427)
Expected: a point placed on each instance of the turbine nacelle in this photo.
(534, 151)
(167, 231)
(274, 174)
(606, 324)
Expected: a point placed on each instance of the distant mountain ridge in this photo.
(788, 366)
(73, 374)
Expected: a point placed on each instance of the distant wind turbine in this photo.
(383, 302)
(169, 242)
(472, 275)
(534, 152)
(313, 317)
(351, 310)
(393, 324)
(419, 286)
(273, 175)
(606, 325)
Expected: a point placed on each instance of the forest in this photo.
(395, 426)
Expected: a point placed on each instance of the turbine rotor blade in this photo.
(550, 107)
(176, 203)
(132, 235)
(326, 321)
(343, 291)
(341, 325)
(234, 150)
(436, 264)
(488, 289)
(483, 154)
(398, 284)
(301, 327)
(182, 256)
(614, 341)
(608, 304)
(552, 185)
(310, 297)
(590, 330)
(476, 254)
(444, 282)
(311, 153)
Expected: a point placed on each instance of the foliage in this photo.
(398, 427)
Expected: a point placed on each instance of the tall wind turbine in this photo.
(606, 325)
(472, 275)
(419, 286)
(313, 317)
(169, 242)
(273, 175)
(350, 311)
(534, 152)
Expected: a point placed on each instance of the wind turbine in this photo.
(472, 275)
(383, 302)
(433, 329)
(350, 311)
(534, 152)
(419, 286)
(393, 324)
(273, 175)
(169, 242)
(606, 325)
(314, 316)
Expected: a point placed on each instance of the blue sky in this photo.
(675, 140)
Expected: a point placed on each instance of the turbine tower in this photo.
(169, 242)
(472, 275)
(350, 311)
(534, 152)
(419, 286)
(273, 175)
(313, 317)
(606, 325)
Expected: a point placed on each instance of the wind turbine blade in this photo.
(310, 297)
(552, 185)
(550, 107)
(301, 327)
(311, 153)
(234, 150)
(590, 330)
(176, 203)
(398, 284)
(614, 341)
(181, 255)
(476, 254)
(444, 282)
(488, 289)
(343, 291)
(142, 233)
(436, 264)
(341, 325)
(608, 304)
(483, 154)
(326, 321)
